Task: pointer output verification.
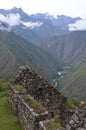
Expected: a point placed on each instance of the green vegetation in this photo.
(56, 118)
(69, 48)
(8, 120)
(52, 125)
(74, 84)
(18, 87)
(15, 51)
(3, 86)
(72, 103)
(37, 107)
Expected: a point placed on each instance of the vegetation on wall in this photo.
(8, 120)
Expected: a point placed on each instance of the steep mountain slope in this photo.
(53, 26)
(28, 34)
(70, 48)
(74, 84)
(15, 51)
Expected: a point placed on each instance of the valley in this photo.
(47, 44)
(43, 65)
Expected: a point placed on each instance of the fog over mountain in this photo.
(43, 25)
(16, 16)
(78, 25)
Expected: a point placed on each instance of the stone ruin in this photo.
(78, 119)
(49, 97)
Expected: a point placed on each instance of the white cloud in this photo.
(11, 19)
(5, 29)
(15, 19)
(2, 18)
(79, 25)
(32, 25)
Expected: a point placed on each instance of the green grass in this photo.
(8, 120)
(19, 87)
(72, 103)
(52, 125)
(37, 107)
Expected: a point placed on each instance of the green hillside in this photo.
(15, 51)
(28, 34)
(69, 48)
(74, 84)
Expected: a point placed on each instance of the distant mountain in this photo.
(41, 25)
(15, 10)
(15, 51)
(69, 48)
(63, 21)
(52, 26)
(28, 35)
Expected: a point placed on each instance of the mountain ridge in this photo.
(16, 51)
(50, 25)
(69, 47)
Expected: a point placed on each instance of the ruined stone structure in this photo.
(78, 119)
(27, 83)
(27, 117)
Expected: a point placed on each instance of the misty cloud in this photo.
(5, 29)
(32, 25)
(79, 25)
(15, 19)
(10, 19)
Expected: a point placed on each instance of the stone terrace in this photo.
(29, 85)
(40, 89)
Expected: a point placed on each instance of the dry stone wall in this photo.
(40, 89)
(49, 97)
(78, 119)
(27, 117)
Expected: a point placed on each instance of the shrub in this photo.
(1, 87)
(3, 94)
(72, 103)
(56, 118)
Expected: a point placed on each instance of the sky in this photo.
(72, 8)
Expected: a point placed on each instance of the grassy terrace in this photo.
(19, 88)
(8, 120)
(36, 106)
